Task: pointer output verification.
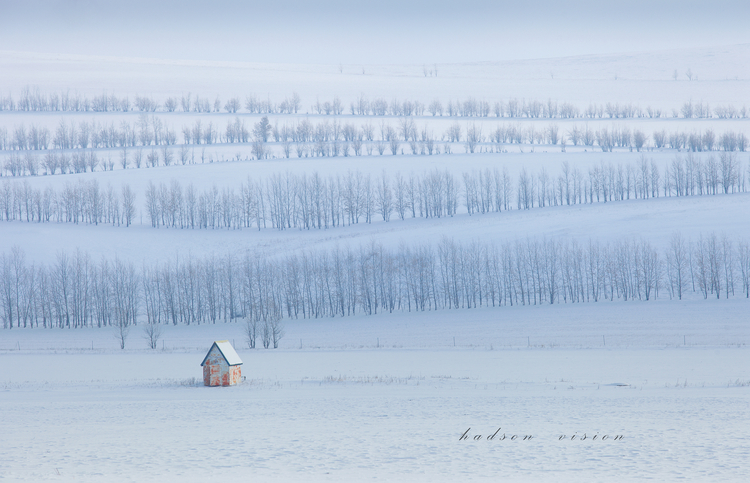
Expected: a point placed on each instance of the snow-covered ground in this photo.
(721, 75)
(655, 220)
(388, 397)
(330, 405)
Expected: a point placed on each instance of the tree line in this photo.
(77, 291)
(31, 99)
(151, 130)
(153, 144)
(301, 201)
(84, 202)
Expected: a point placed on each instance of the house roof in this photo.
(226, 349)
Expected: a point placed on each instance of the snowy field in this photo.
(653, 219)
(639, 77)
(388, 397)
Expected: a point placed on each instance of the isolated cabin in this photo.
(222, 365)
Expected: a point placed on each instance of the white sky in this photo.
(354, 32)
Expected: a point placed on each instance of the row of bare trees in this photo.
(286, 201)
(687, 175)
(32, 99)
(153, 130)
(71, 292)
(146, 131)
(82, 202)
(28, 163)
(76, 291)
(335, 138)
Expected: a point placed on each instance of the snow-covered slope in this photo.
(720, 75)
(652, 219)
(389, 396)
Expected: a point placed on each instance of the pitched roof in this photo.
(226, 349)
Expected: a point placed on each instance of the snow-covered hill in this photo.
(719, 75)
(384, 396)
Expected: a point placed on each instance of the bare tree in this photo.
(677, 264)
(473, 137)
(138, 158)
(232, 105)
(184, 154)
(384, 198)
(393, 145)
(152, 334)
(357, 144)
(166, 155)
(639, 139)
(743, 253)
(552, 134)
(259, 149)
(92, 161)
(121, 332)
(265, 334)
(170, 104)
(251, 331)
(124, 157)
(276, 328)
(128, 204)
(50, 162)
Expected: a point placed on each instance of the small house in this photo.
(222, 365)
